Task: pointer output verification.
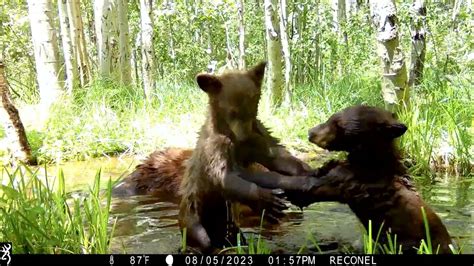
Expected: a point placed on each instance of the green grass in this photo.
(312, 241)
(39, 216)
(440, 127)
(425, 246)
(255, 246)
(373, 246)
(108, 119)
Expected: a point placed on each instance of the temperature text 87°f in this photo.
(139, 260)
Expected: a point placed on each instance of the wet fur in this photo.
(373, 181)
(216, 175)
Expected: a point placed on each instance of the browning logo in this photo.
(6, 250)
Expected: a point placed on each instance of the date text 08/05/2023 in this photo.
(276, 260)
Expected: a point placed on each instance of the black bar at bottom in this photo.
(258, 260)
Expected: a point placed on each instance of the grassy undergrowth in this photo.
(108, 119)
(39, 216)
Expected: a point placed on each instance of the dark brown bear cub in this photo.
(372, 181)
(216, 176)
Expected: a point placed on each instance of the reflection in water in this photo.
(145, 225)
(149, 225)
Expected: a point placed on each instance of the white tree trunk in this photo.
(339, 20)
(274, 78)
(111, 23)
(124, 43)
(104, 28)
(45, 46)
(69, 55)
(351, 8)
(78, 41)
(285, 49)
(241, 35)
(135, 57)
(338, 14)
(90, 34)
(395, 88)
(456, 10)
(148, 54)
(418, 42)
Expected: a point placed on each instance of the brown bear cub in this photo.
(159, 175)
(373, 181)
(215, 175)
(162, 172)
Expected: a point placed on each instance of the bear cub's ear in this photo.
(209, 83)
(257, 72)
(396, 130)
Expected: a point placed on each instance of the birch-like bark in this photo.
(104, 27)
(148, 54)
(241, 34)
(68, 53)
(285, 45)
(78, 41)
(274, 77)
(89, 32)
(395, 88)
(339, 20)
(111, 21)
(456, 10)
(418, 42)
(124, 42)
(45, 46)
(338, 14)
(17, 141)
(351, 8)
(135, 57)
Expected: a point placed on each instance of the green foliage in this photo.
(41, 217)
(17, 51)
(370, 244)
(328, 74)
(390, 246)
(439, 126)
(107, 118)
(329, 71)
(313, 241)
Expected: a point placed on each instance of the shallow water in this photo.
(147, 225)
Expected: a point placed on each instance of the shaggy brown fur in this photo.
(373, 180)
(216, 173)
(159, 175)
